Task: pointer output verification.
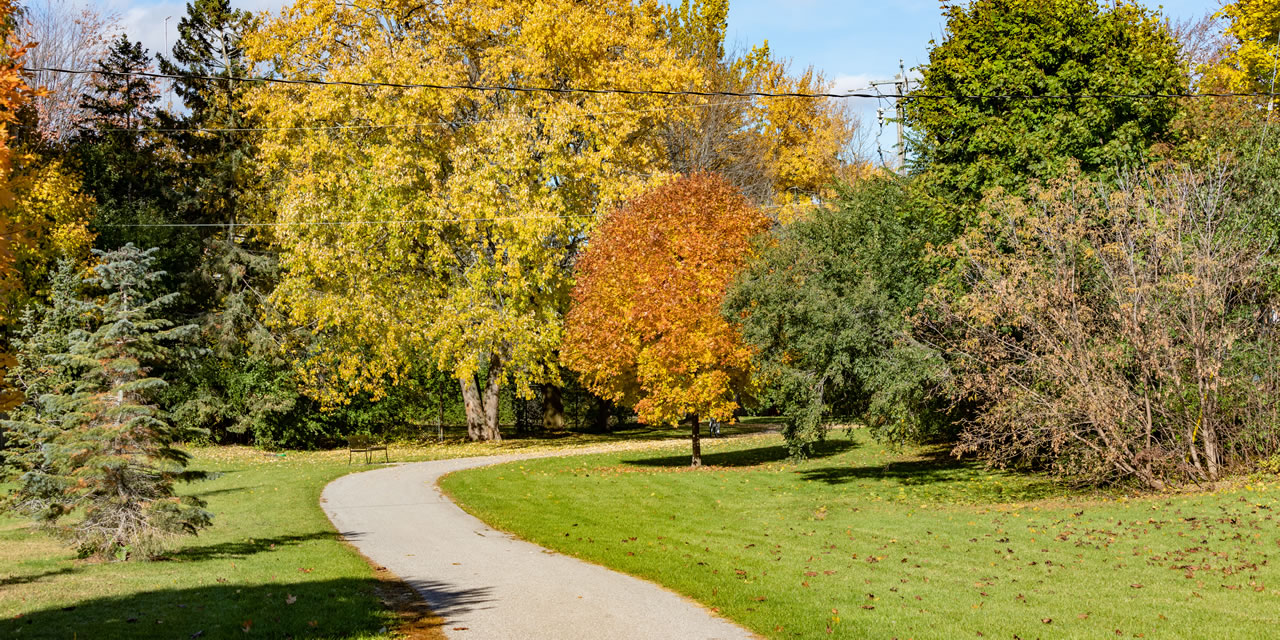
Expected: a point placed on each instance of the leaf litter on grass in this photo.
(944, 547)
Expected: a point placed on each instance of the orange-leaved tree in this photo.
(14, 93)
(645, 328)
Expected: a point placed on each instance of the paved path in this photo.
(487, 584)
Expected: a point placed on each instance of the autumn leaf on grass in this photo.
(291, 599)
(246, 625)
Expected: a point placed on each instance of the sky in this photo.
(853, 42)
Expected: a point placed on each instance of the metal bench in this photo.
(366, 445)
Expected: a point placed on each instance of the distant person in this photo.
(715, 428)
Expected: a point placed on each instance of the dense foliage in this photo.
(825, 307)
(1010, 51)
(645, 328)
(382, 259)
(94, 446)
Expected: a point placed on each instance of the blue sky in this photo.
(850, 41)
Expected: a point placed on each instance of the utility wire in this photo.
(412, 125)
(657, 92)
(339, 223)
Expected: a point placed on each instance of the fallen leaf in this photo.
(1046, 620)
(246, 625)
(291, 599)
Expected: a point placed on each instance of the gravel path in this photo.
(488, 584)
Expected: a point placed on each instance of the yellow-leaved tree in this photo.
(1252, 57)
(43, 214)
(437, 224)
(784, 153)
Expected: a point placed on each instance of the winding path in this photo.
(491, 585)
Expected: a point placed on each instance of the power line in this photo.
(413, 125)
(658, 92)
(336, 223)
(453, 87)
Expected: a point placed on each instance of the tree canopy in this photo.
(1010, 51)
(645, 328)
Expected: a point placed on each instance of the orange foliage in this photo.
(13, 93)
(645, 327)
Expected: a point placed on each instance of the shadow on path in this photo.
(448, 601)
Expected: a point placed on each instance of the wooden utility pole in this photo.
(901, 86)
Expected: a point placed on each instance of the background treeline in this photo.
(1072, 273)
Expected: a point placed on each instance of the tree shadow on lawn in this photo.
(34, 577)
(942, 472)
(747, 457)
(246, 547)
(323, 608)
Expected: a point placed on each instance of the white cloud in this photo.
(850, 83)
(145, 21)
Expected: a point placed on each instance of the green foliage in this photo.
(131, 174)
(1021, 47)
(41, 376)
(825, 308)
(109, 453)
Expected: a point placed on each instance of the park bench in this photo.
(365, 444)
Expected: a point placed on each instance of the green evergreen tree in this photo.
(114, 455)
(132, 171)
(42, 376)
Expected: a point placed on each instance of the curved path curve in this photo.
(491, 585)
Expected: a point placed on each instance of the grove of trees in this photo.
(441, 211)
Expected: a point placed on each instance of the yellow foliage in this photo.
(493, 193)
(1251, 64)
(47, 220)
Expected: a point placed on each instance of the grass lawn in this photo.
(860, 542)
(271, 566)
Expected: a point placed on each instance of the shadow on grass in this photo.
(323, 608)
(246, 547)
(933, 465)
(944, 477)
(746, 457)
(34, 577)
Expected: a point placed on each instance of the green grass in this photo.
(862, 542)
(270, 542)
(271, 559)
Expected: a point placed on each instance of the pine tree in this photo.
(41, 376)
(121, 100)
(114, 455)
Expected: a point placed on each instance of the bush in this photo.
(825, 307)
(1114, 334)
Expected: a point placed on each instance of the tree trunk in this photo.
(491, 388)
(440, 417)
(475, 410)
(552, 408)
(697, 444)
